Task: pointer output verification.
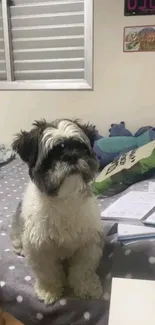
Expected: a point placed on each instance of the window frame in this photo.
(71, 84)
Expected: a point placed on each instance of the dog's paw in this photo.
(18, 247)
(19, 251)
(89, 288)
(50, 295)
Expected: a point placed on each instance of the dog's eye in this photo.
(59, 146)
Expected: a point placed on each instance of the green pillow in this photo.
(129, 168)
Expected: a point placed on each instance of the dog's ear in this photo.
(89, 130)
(40, 124)
(26, 145)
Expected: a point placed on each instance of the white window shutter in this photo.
(2, 51)
(48, 48)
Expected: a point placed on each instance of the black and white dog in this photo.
(59, 218)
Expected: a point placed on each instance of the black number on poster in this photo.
(139, 7)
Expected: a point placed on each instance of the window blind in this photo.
(48, 42)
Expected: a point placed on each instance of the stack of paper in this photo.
(132, 302)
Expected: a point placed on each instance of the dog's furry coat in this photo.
(65, 226)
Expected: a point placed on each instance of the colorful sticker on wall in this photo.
(139, 7)
(139, 38)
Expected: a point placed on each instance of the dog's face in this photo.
(56, 150)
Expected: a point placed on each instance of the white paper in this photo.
(151, 219)
(125, 230)
(152, 187)
(132, 302)
(133, 205)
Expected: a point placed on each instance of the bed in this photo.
(16, 278)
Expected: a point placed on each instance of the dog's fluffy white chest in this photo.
(68, 221)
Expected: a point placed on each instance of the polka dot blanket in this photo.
(16, 278)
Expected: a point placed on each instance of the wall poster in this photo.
(139, 38)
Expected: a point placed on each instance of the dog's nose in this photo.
(73, 158)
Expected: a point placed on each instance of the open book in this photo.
(135, 207)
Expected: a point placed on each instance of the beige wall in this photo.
(124, 83)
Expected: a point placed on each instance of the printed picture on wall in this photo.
(139, 39)
(139, 7)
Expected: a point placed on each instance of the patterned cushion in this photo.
(129, 168)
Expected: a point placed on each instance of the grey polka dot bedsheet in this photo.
(16, 278)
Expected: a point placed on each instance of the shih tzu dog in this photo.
(59, 218)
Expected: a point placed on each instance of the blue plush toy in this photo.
(121, 140)
(119, 130)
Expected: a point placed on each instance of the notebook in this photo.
(127, 232)
(150, 220)
(132, 302)
(133, 207)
